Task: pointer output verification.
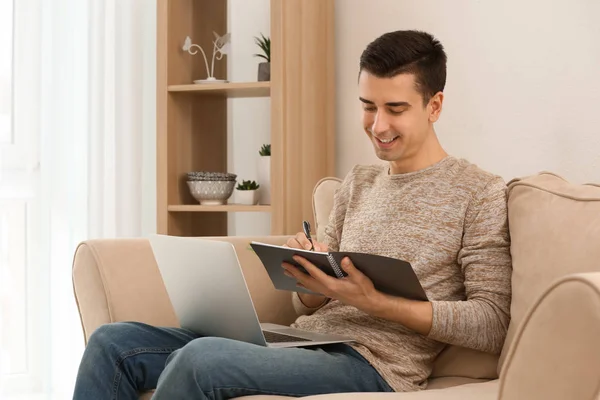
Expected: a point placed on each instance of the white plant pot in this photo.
(247, 197)
(264, 179)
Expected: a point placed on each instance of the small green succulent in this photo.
(247, 185)
(265, 150)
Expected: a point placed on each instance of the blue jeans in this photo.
(122, 359)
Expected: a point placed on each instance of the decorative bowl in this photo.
(210, 176)
(211, 192)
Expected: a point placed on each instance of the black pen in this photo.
(306, 228)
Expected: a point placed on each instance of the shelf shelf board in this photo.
(219, 208)
(232, 89)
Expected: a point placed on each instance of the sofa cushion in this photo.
(555, 231)
(435, 384)
(456, 361)
(479, 391)
(146, 395)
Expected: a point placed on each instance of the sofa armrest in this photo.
(555, 352)
(118, 280)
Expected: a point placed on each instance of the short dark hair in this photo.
(408, 52)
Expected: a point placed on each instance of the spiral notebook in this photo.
(389, 275)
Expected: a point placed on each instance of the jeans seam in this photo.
(116, 383)
(130, 353)
(259, 391)
(262, 391)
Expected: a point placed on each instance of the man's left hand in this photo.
(356, 289)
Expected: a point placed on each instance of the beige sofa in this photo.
(552, 350)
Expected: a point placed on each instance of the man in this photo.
(443, 214)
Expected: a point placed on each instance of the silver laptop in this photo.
(208, 291)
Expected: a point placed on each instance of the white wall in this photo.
(523, 87)
(522, 92)
(249, 118)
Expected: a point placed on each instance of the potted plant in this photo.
(265, 150)
(264, 68)
(247, 192)
(264, 174)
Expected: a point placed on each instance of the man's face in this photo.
(393, 116)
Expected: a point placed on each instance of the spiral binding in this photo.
(335, 266)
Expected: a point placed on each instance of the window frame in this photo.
(22, 153)
(11, 135)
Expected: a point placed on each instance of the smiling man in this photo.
(444, 215)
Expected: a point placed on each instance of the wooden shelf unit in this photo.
(220, 208)
(234, 89)
(192, 118)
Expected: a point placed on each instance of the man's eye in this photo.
(370, 109)
(396, 112)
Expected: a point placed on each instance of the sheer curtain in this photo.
(94, 97)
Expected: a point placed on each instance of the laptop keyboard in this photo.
(272, 337)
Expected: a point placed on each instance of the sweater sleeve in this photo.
(301, 308)
(481, 321)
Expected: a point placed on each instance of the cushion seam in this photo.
(107, 295)
(516, 183)
(75, 292)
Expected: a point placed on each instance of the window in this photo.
(6, 68)
(22, 295)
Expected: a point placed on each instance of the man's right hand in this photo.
(300, 241)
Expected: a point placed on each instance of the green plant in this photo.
(265, 45)
(247, 185)
(265, 150)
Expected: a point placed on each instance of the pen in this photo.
(306, 228)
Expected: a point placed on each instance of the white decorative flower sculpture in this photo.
(220, 48)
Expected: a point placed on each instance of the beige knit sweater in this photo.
(450, 222)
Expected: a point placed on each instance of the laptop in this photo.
(205, 283)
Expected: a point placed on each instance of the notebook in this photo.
(389, 275)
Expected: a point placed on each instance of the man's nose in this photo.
(380, 123)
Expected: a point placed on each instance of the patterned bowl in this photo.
(210, 176)
(211, 192)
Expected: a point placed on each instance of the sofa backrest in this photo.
(322, 202)
(555, 231)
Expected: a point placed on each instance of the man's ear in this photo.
(435, 106)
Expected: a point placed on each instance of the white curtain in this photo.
(96, 91)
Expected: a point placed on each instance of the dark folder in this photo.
(389, 275)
